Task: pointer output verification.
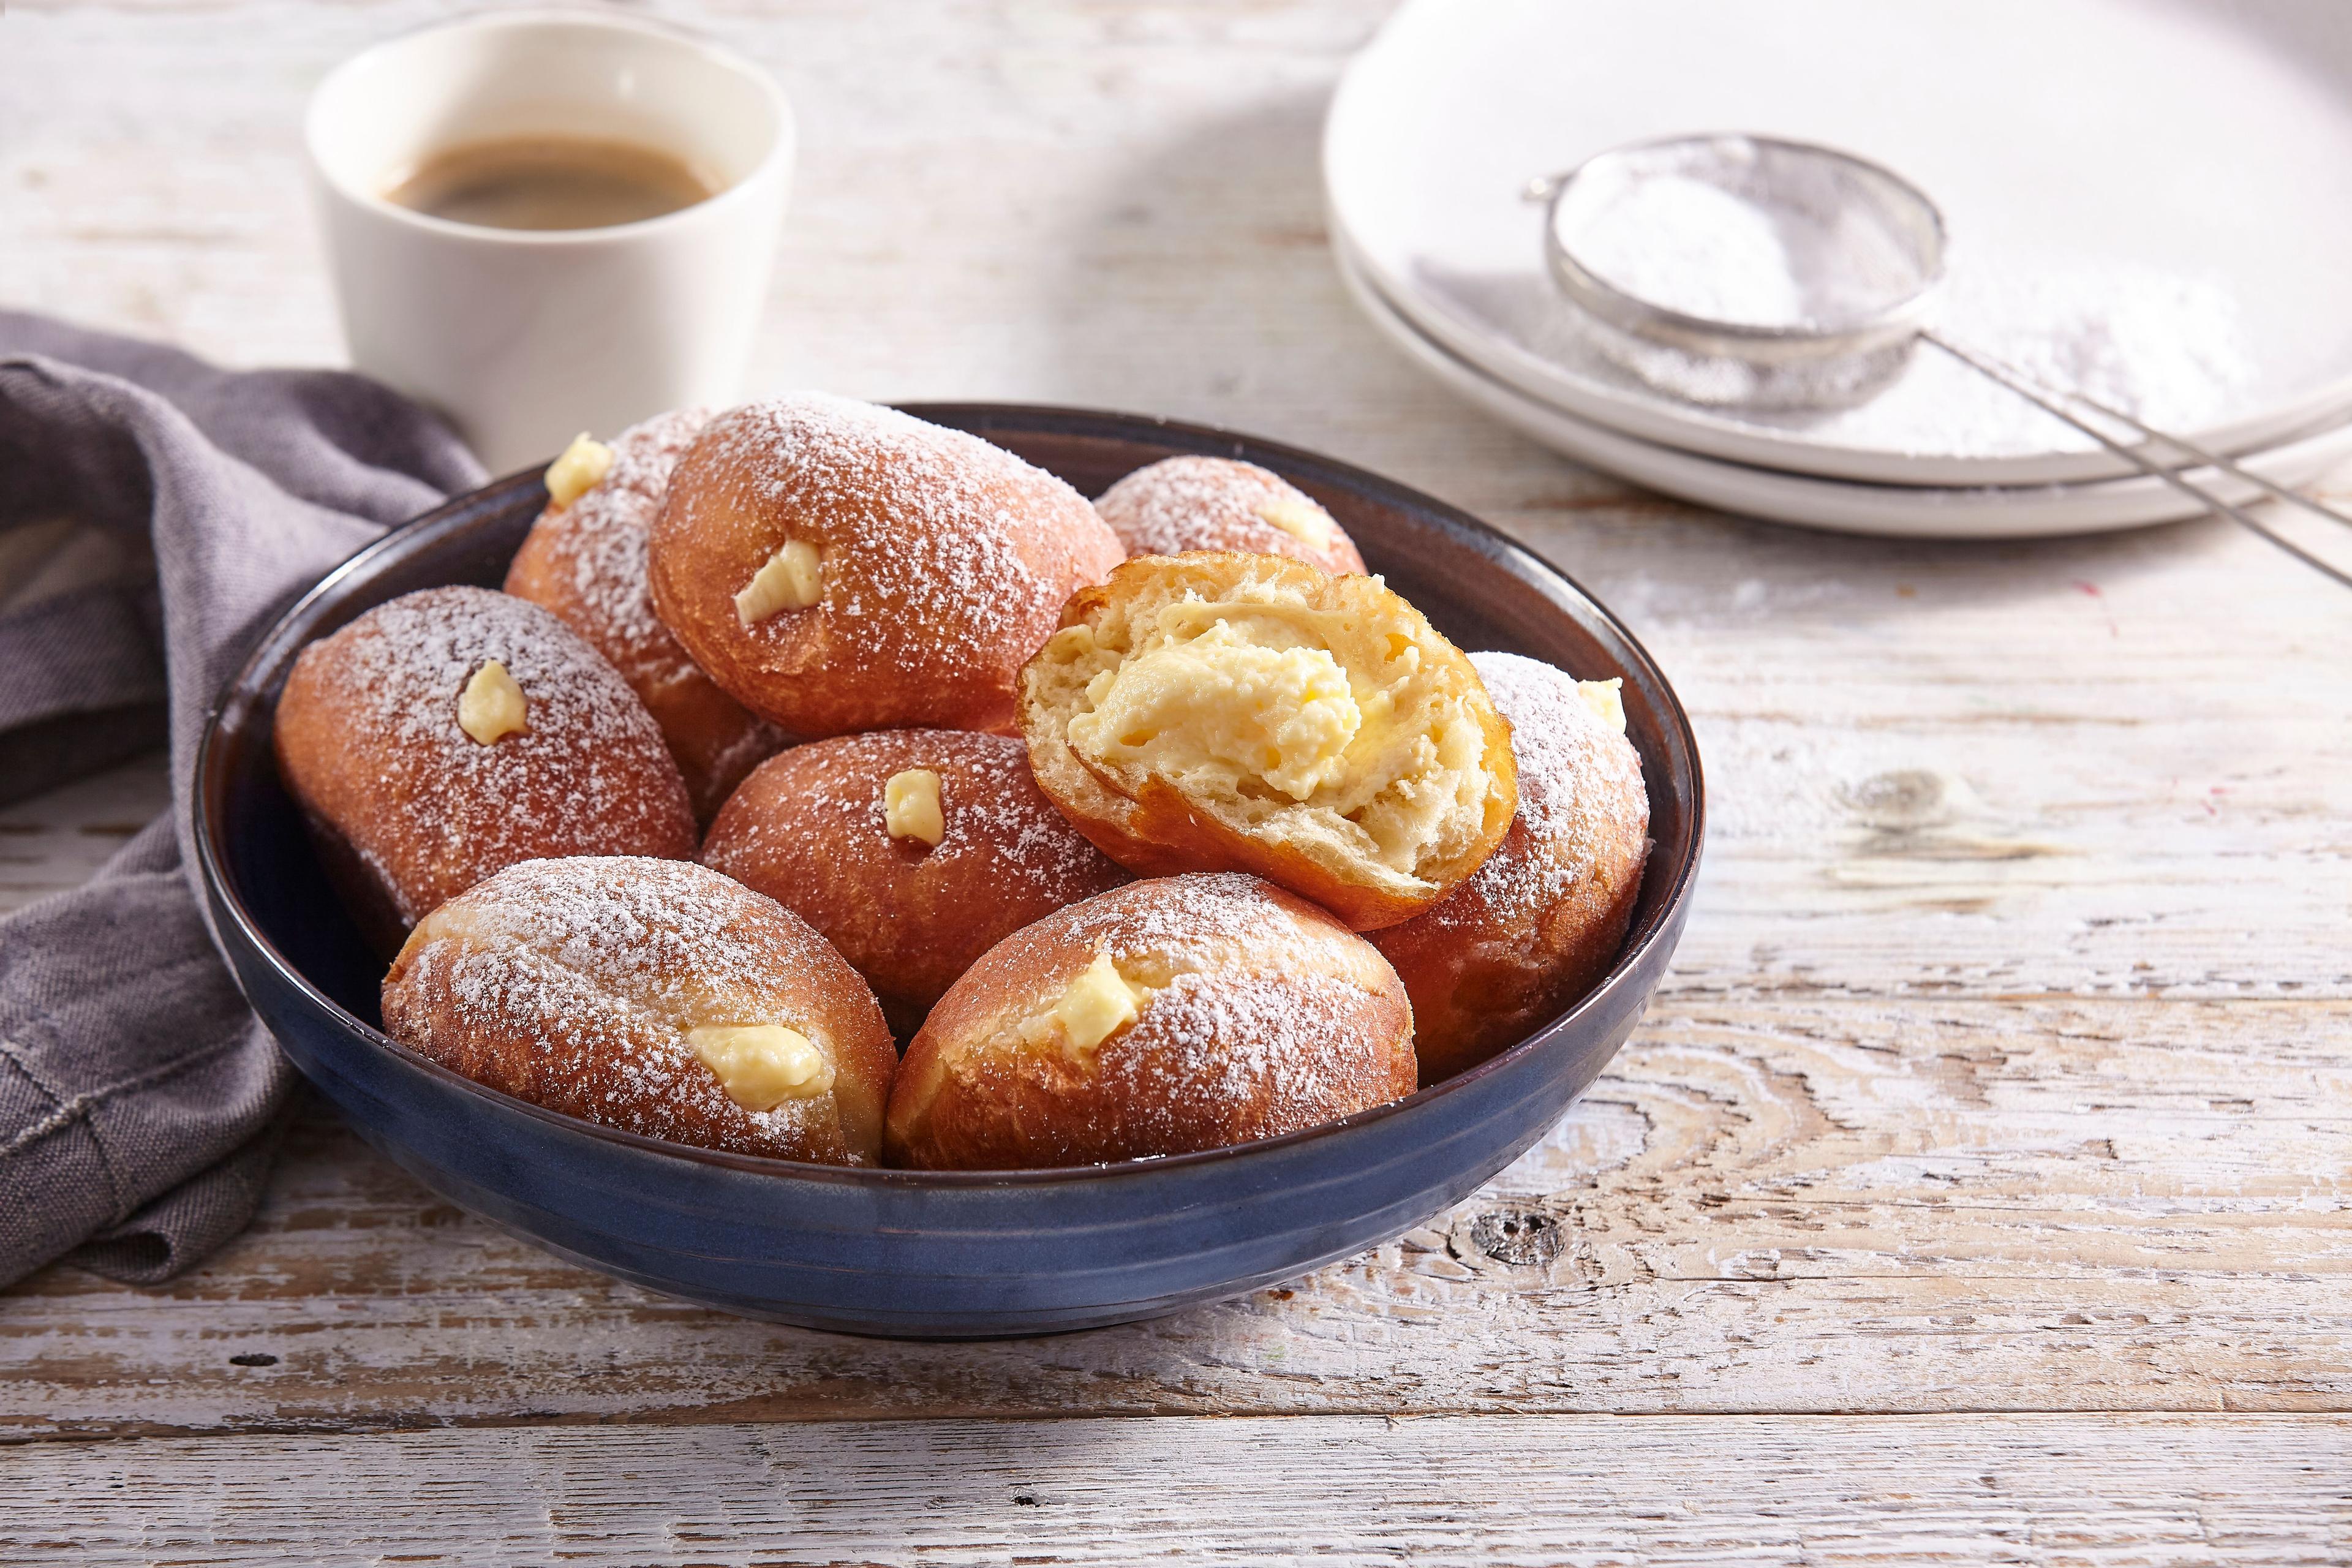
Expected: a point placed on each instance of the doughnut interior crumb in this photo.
(1319, 716)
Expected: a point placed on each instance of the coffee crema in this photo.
(551, 183)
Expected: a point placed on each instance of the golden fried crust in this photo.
(586, 562)
(1182, 504)
(411, 810)
(943, 564)
(574, 984)
(808, 829)
(1263, 1016)
(1542, 920)
(1355, 846)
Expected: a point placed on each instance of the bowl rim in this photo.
(240, 694)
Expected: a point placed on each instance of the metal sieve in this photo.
(1798, 257)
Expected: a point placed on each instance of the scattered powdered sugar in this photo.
(2170, 347)
(610, 525)
(1291, 1046)
(1553, 732)
(1213, 503)
(582, 775)
(1205, 920)
(665, 935)
(991, 810)
(2167, 348)
(996, 810)
(411, 658)
(954, 555)
(1267, 1009)
(601, 966)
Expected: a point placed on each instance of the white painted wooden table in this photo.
(1977, 1190)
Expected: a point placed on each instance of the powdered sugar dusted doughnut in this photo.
(837, 566)
(652, 995)
(1221, 503)
(1538, 924)
(585, 560)
(1160, 1018)
(913, 851)
(452, 732)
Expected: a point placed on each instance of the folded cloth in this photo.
(138, 1097)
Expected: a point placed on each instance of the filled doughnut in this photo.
(585, 560)
(1158, 1019)
(1226, 712)
(1181, 504)
(837, 566)
(913, 851)
(448, 734)
(656, 996)
(1541, 922)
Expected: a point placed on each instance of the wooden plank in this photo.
(2004, 1065)
(1502, 1490)
(54, 841)
(1838, 1205)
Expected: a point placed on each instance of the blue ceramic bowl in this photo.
(950, 1256)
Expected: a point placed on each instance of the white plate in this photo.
(2177, 166)
(1843, 506)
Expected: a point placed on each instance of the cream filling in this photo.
(792, 579)
(1095, 1006)
(761, 1065)
(583, 466)
(1606, 700)
(910, 806)
(1300, 520)
(1283, 715)
(492, 707)
(1245, 705)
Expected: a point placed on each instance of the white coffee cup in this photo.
(526, 337)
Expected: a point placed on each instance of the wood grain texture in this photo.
(54, 841)
(1509, 1491)
(1832, 1206)
(2006, 1066)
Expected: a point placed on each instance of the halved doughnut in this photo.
(1223, 711)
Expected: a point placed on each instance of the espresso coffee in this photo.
(550, 181)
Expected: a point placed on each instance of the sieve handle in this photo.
(2053, 400)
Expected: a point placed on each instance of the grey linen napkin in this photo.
(138, 1097)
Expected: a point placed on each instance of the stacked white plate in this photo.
(2146, 197)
